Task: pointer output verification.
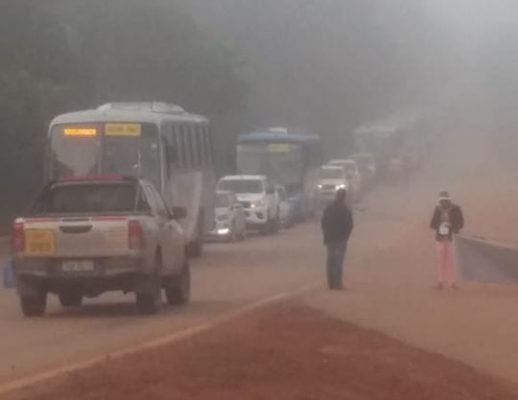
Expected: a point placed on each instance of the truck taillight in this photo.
(18, 238)
(135, 236)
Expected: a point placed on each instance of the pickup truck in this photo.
(87, 236)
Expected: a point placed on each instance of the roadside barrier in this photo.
(486, 261)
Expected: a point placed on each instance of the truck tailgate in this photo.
(76, 237)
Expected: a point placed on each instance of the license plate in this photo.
(40, 242)
(78, 266)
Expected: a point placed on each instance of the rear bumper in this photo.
(51, 268)
(114, 273)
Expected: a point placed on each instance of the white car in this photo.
(257, 195)
(352, 175)
(230, 217)
(331, 179)
(87, 236)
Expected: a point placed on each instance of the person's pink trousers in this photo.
(446, 264)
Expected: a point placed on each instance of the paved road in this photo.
(226, 278)
(390, 278)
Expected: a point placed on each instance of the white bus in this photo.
(158, 142)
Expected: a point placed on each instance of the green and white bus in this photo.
(158, 142)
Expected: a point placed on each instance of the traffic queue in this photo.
(132, 196)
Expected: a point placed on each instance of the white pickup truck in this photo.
(86, 236)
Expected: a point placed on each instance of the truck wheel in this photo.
(33, 305)
(148, 300)
(276, 225)
(70, 299)
(178, 288)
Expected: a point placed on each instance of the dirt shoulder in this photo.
(286, 352)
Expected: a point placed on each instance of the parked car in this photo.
(366, 166)
(230, 217)
(286, 207)
(87, 236)
(257, 195)
(352, 175)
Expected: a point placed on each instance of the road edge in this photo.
(176, 337)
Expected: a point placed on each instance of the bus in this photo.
(158, 142)
(290, 158)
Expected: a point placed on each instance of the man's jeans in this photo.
(335, 262)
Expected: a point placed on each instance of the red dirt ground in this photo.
(287, 352)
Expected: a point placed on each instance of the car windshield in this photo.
(332, 173)
(242, 185)
(222, 200)
(88, 198)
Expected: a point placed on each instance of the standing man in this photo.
(447, 221)
(337, 225)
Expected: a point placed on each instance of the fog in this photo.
(328, 66)
(331, 65)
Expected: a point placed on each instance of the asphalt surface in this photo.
(228, 277)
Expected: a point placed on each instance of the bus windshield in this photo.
(283, 163)
(79, 150)
(75, 150)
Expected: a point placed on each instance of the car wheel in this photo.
(148, 300)
(70, 299)
(275, 224)
(178, 288)
(33, 305)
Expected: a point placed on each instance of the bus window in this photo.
(193, 141)
(186, 147)
(177, 136)
(203, 145)
(200, 146)
(209, 146)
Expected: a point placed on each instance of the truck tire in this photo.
(33, 305)
(178, 288)
(195, 248)
(148, 300)
(70, 299)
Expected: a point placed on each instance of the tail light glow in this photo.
(135, 236)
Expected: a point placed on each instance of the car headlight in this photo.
(341, 187)
(320, 186)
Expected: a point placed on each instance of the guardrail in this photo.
(488, 261)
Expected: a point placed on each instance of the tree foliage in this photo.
(61, 55)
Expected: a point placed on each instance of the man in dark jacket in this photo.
(447, 221)
(337, 225)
